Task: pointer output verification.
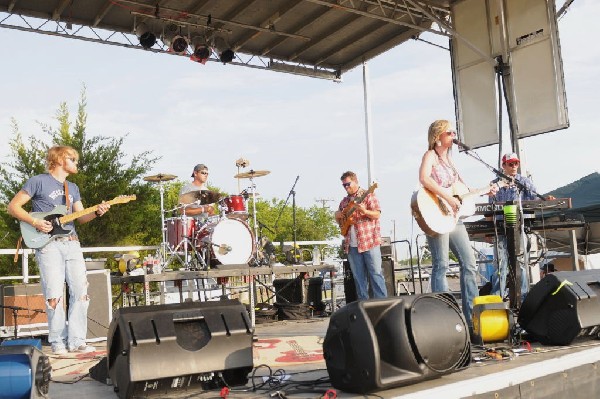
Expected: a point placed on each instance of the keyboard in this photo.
(530, 206)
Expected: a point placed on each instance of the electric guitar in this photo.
(34, 238)
(435, 216)
(347, 219)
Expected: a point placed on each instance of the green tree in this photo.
(105, 172)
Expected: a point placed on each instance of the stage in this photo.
(292, 350)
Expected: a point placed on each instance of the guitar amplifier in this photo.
(386, 248)
(27, 302)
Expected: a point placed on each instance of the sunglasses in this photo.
(203, 173)
(346, 185)
(512, 164)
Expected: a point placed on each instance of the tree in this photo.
(105, 172)
(276, 222)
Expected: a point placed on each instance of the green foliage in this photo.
(312, 224)
(105, 172)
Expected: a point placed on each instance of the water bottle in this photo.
(316, 256)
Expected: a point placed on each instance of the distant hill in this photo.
(584, 192)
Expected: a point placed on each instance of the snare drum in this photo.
(178, 229)
(234, 207)
(228, 241)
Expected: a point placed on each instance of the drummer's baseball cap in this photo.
(199, 167)
(512, 157)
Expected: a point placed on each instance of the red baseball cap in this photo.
(512, 157)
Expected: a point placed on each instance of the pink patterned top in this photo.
(444, 175)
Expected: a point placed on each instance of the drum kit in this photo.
(199, 242)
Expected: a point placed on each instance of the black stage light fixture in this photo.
(226, 54)
(145, 35)
(202, 50)
(172, 38)
(379, 344)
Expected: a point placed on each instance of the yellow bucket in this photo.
(489, 322)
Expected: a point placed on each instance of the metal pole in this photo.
(367, 104)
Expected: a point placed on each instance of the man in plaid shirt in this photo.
(363, 240)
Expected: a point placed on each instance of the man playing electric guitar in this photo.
(363, 238)
(61, 259)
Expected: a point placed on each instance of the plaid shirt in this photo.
(509, 193)
(368, 231)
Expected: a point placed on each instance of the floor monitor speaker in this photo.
(563, 306)
(179, 348)
(378, 344)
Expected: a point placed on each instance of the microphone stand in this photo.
(293, 195)
(515, 234)
(15, 312)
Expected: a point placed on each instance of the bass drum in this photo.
(228, 241)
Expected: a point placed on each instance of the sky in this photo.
(187, 113)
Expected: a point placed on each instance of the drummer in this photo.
(200, 175)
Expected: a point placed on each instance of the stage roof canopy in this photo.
(318, 38)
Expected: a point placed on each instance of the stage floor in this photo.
(294, 350)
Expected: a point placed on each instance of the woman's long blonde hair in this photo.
(435, 131)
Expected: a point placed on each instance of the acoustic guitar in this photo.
(435, 216)
(347, 220)
(34, 238)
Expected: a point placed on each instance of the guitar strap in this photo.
(67, 196)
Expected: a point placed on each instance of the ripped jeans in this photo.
(61, 261)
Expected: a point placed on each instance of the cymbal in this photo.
(160, 177)
(252, 174)
(204, 196)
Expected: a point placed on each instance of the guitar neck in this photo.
(75, 215)
(361, 199)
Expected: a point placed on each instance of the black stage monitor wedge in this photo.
(182, 347)
(563, 306)
(379, 344)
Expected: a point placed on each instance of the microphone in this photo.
(462, 145)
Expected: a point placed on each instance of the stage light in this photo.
(145, 35)
(172, 38)
(202, 50)
(226, 54)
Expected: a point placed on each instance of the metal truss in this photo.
(129, 40)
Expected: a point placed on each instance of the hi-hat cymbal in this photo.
(252, 174)
(160, 177)
(204, 196)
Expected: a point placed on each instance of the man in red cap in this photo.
(510, 192)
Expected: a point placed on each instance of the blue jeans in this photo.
(61, 261)
(458, 242)
(367, 266)
(499, 276)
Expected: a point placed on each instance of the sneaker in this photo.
(58, 350)
(83, 349)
